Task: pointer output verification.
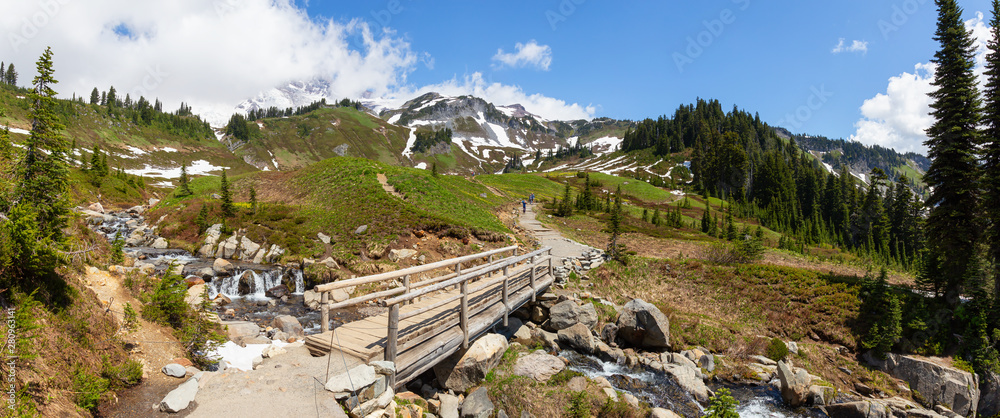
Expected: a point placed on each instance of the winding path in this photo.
(562, 247)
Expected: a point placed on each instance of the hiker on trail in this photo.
(524, 206)
(531, 199)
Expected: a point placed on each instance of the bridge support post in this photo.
(391, 339)
(506, 305)
(324, 302)
(491, 262)
(550, 263)
(458, 271)
(464, 315)
(406, 284)
(531, 280)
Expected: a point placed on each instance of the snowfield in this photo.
(197, 168)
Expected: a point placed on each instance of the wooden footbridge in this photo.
(430, 319)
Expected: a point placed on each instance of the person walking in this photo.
(524, 206)
(531, 199)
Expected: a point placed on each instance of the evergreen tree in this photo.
(253, 199)
(881, 313)
(656, 216)
(43, 176)
(10, 77)
(706, 220)
(564, 207)
(991, 148)
(616, 250)
(202, 220)
(183, 189)
(645, 215)
(227, 199)
(95, 96)
(952, 230)
(3, 72)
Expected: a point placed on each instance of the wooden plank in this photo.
(362, 299)
(465, 314)
(390, 347)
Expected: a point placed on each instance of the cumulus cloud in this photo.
(899, 118)
(215, 54)
(528, 55)
(855, 46)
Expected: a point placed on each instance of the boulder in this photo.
(311, 299)
(609, 332)
(989, 399)
(229, 247)
(153, 201)
(324, 238)
(160, 244)
(277, 292)
(794, 385)
(687, 378)
(449, 406)
(179, 399)
(193, 297)
(385, 368)
(462, 371)
(361, 230)
(578, 337)
(96, 207)
(360, 377)
(548, 339)
(566, 313)
(860, 409)
(259, 257)
(174, 370)
(478, 404)
(272, 351)
(249, 248)
(935, 382)
(643, 325)
(221, 266)
(289, 325)
(402, 254)
(237, 330)
(707, 362)
(663, 413)
(513, 325)
(539, 366)
(522, 335)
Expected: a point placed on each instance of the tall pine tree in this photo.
(227, 198)
(183, 189)
(991, 148)
(42, 175)
(952, 230)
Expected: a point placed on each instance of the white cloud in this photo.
(530, 54)
(855, 46)
(899, 118)
(215, 54)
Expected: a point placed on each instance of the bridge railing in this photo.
(407, 286)
(532, 261)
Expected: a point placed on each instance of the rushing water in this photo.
(660, 390)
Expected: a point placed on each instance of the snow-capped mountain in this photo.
(292, 95)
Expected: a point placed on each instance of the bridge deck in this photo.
(430, 336)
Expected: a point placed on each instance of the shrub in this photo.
(740, 251)
(89, 389)
(776, 350)
(166, 305)
(131, 319)
(722, 405)
(122, 376)
(579, 406)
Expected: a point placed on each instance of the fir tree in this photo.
(10, 77)
(253, 199)
(43, 176)
(202, 220)
(991, 148)
(616, 250)
(95, 96)
(564, 207)
(656, 216)
(227, 199)
(952, 230)
(183, 188)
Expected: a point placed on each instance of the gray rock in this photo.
(248, 248)
(566, 313)
(289, 325)
(477, 404)
(707, 362)
(353, 380)
(179, 399)
(462, 371)
(989, 399)
(174, 370)
(687, 378)
(361, 230)
(385, 368)
(324, 238)
(241, 329)
(513, 325)
(793, 347)
(578, 337)
(311, 299)
(549, 339)
(663, 413)
(221, 266)
(764, 360)
(449, 406)
(538, 366)
(153, 201)
(329, 262)
(160, 243)
(643, 325)
(935, 382)
(401, 254)
(609, 332)
(229, 247)
(794, 385)
(861, 409)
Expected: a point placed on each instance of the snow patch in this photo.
(607, 144)
(407, 152)
(197, 168)
(16, 131)
(242, 357)
(422, 166)
(395, 118)
(168, 149)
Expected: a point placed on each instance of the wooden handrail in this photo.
(464, 277)
(409, 270)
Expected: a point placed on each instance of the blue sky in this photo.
(621, 57)
(561, 59)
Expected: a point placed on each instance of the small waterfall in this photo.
(252, 283)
